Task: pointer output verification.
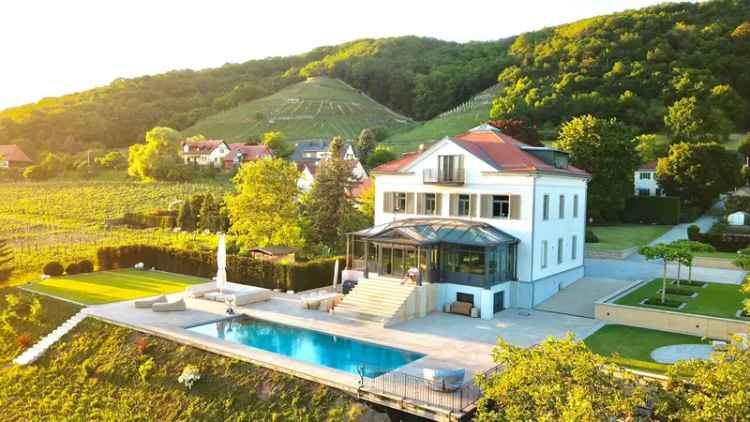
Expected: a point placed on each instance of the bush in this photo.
(85, 266)
(652, 210)
(721, 237)
(240, 269)
(693, 232)
(157, 218)
(72, 269)
(656, 301)
(53, 269)
(591, 237)
(679, 291)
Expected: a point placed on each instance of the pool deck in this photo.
(448, 341)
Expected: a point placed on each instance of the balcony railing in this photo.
(444, 177)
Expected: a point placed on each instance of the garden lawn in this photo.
(114, 286)
(625, 236)
(632, 346)
(717, 300)
(731, 256)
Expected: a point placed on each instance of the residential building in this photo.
(13, 156)
(645, 180)
(308, 155)
(240, 153)
(484, 217)
(204, 153)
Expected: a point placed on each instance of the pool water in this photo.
(310, 346)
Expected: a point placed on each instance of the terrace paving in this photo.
(579, 298)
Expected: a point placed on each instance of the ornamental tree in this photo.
(365, 144)
(264, 211)
(666, 254)
(692, 247)
(557, 380)
(605, 149)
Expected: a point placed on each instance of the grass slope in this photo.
(96, 372)
(450, 123)
(625, 236)
(316, 108)
(114, 286)
(632, 346)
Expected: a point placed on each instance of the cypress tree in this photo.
(6, 257)
(209, 214)
(186, 217)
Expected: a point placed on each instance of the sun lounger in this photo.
(147, 303)
(247, 297)
(444, 379)
(200, 290)
(178, 305)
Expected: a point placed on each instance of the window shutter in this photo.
(420, 203)
(485, 211)
(438, 204)
(515, 207)
(473, 205)
(410, 203)
(453, 209)
(388, 202)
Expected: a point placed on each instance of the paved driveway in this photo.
(645, 270)
(578, 298)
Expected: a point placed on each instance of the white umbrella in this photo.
(335, 274)
(221, 263)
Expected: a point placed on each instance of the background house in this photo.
(308, 155)
(13, 156)
(645, 180)
(204, 153)
(240, 153)
(489, 219)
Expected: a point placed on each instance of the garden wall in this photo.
(652, 210)
(297, 276)
(613, 254)
(657, 319)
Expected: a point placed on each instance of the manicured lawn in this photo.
(632, 346)
(114, 286)
(625, 236)
(718, 300)
(720, 255)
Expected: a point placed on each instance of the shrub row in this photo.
(160, 218)
(652, 210)
(55, 269)
(719, 239)
(240, 269)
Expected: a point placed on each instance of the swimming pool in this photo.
(309, 346)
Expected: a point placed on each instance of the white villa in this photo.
(219, 154)
(485, 218)
(645, 180)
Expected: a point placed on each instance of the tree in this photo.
(186, 217)
(698, 173)
(264, 211)
(557, 380)
(381, 155)
(367, 202)
(518, 129)
(329, 203)
(744, 147)
(692, 247)
(336, 147)
(365, 144)
(667, 254)
(209, 214)
(112, 160)
(605, 149)
(158, 158)
(6, 258)
(649, 147)
(685, 121)
(277, 142)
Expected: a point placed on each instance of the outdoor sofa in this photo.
(462, 308)
(178, 305)
(251, 295)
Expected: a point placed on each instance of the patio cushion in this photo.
(147, 303)
(200, 290)
(251, 296)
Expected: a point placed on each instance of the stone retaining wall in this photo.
(615, 254)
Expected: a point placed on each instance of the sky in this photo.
(55, 47)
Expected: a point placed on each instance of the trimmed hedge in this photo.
(72, 269)
(53, 269)
(240, 269)
(719, 238)
(85, 266)
(652, 210)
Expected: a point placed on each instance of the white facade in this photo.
(537, 278)
(214, 157)
(646, 184)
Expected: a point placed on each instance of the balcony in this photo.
(433, 176)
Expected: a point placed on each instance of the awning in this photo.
(427, 231)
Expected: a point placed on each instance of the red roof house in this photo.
(13, 156)
(247, 152)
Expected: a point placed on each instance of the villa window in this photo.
(399, 202)
(465, 298)
(500, 206)
(645, 175)
(544, 254)
(574, 248)
(575, 206)
(430, 204)
(464, 202)
(559, 251)
(644, 192)
(467, 259)
(562, 207)
(545, 208)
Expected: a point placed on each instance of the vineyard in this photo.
(64, 221)
(316, 108)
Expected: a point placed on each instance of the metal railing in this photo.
(419, 390)
(455, 176)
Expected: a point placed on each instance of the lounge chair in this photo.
(200, 290)
(444, 379)
(250, 296)
(178, 305)
(147, 303)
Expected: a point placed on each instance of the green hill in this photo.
(315, 108)
(452, 122)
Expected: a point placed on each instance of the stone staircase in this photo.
(34, 352)
(379, 300)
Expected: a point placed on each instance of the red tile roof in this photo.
(651, 166)
(14, 154)
(361, 187)
(249, 152)
(203, 147)
(501, 151)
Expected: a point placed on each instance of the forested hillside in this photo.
(632, 65)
